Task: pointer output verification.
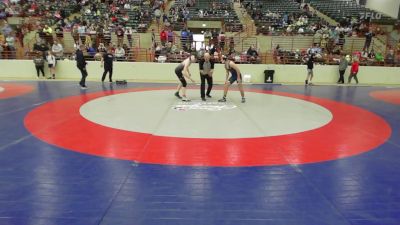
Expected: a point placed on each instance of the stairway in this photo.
(250, 29)
(157, 28)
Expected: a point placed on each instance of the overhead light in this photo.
(204, 24)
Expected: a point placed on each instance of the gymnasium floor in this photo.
(135, 155)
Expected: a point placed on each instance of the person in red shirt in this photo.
(354, 71)
(163, 37)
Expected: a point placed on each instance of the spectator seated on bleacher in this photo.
(91, 50)
(168, 47)
(177, 57)
(252, 55)
(160, 50)
(390, 57)
(102, 48)
(315, 49)
(120, 53)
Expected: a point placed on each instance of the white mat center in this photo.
(160, 113)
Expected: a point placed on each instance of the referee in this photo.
(206, 72)
(107, 62)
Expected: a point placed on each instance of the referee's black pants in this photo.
(203, 84)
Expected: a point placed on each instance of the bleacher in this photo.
(269, 13)
(215, 12)
(340, 9)
(136, 22)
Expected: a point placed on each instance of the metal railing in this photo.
(300, 42)
(268, 57)
(296, 58)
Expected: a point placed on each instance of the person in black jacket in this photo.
(206, 72)
(107, 60)
(310, 67)
(81, 64)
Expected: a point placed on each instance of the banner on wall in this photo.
(370, 15)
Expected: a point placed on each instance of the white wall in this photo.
(389, 7)
(164, 72)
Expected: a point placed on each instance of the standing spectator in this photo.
(120, 35)
(354, 71)
(19, 34)
(343, 64)
(48, 34)
(170, 35)
(128, 33)
(153, 39)
(39, 63)
(81, 64)
(10, 46)
(221, 38)
(368, 40)
(57, 50)
(163, 37)
(51, 61)
(59, 33)
(107, 62)
(310, 67)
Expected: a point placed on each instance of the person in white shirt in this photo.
(57, 50)
(51, 60)
(120, 53)
(128, 32)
